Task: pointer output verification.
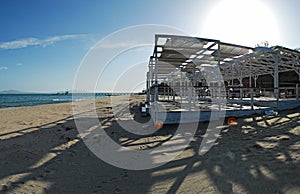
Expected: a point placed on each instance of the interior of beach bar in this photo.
(191, 75)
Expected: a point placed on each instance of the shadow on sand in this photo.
(259, 155)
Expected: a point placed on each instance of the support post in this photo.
(297, 92)
(276, 81)
(241, 92)
(148, 87)
(252, 99)
(250, 77)
(190, 98)
(152, 95)
(255, 79)
(185, 86)
(168, 90)
(164, 90)
(173, 90)
(194, 92)
(156, 81)
(156, 87)
(180, 85)
(219, 77)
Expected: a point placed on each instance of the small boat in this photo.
(62, 93)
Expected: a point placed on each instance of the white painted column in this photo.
(250, 76)
(297, 92)
(255, 79)
(276, 80)
(252, 99)
(168, 90)
(190, 98)
(164, 89)
(180, 85)
(241, 92)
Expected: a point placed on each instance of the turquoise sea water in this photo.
(14, 100)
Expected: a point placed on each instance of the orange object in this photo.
(231, 121)
(159, 125)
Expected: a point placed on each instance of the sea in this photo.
(15, 100)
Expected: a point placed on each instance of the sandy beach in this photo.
(42, 152)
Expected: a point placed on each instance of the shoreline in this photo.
(53, 100)
(69, 99)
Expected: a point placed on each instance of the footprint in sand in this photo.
(4, 188)
(48, 172)
(40, 177)
(143, 147)
(44, 174)
(125, 175)
(68, 128)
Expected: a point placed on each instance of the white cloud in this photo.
(3, 68)
(23, 43)
(19, 64)
(113, 45)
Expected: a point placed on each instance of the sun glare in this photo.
(241, 22)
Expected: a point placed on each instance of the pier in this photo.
(106, 93)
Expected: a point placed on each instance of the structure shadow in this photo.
(258, 155)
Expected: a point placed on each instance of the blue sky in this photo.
(42, 43)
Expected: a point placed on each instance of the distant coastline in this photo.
(34, 99)
(15, 92)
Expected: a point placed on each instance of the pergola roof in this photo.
(190, 54)
(262, 61)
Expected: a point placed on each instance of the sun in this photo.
(241, 22)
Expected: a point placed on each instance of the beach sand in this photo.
(42, 152)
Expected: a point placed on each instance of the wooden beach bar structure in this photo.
(189, 78)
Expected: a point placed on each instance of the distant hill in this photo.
(12, 92)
